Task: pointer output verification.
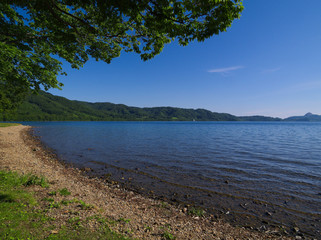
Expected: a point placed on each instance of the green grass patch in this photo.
(196, 212)
(85, 206)
(30, 179)
(164, 205)
(123, 220)
(64, 192)
(52, 193)
(22, 217)
(168, 236)
(17, 219)
(9, 124)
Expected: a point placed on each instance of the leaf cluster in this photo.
(36, 34)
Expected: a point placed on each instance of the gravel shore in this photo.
(143, 218)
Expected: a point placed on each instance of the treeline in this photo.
(48, 107)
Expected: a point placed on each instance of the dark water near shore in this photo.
(253, 174)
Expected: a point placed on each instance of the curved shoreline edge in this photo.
(149, 218)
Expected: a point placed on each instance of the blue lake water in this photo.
(262, 171)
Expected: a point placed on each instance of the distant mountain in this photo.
(309, 117)
(48, 107)
(259, 119)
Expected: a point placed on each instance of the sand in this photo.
(146, 218)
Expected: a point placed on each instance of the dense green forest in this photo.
(48, 107)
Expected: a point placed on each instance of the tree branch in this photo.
(92, 29)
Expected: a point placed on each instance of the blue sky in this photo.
(268, 63)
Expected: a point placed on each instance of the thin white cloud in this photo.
(225, 70)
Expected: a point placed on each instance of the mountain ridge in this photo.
(49, 107)
(308, 117)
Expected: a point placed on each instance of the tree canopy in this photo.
(35, 34)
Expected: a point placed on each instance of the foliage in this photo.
(64, 192)
(166, 235)
(34, 34)
(47, 107)
(15, 221)
(85, 206)
(23, 180)
(21, 216)
(30, 179)
(8, 124)
(198, 212)
(12, 93)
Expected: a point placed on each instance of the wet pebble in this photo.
(268, 213)
(296, 229)
(263, 228)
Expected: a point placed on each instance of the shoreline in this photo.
(23, 153)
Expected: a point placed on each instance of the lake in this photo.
(254, 174)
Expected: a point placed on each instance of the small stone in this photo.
(296, 229)
(263, 228)
(298, 237)
(227, 213)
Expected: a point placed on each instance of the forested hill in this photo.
(309, 117)
(48, 107)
